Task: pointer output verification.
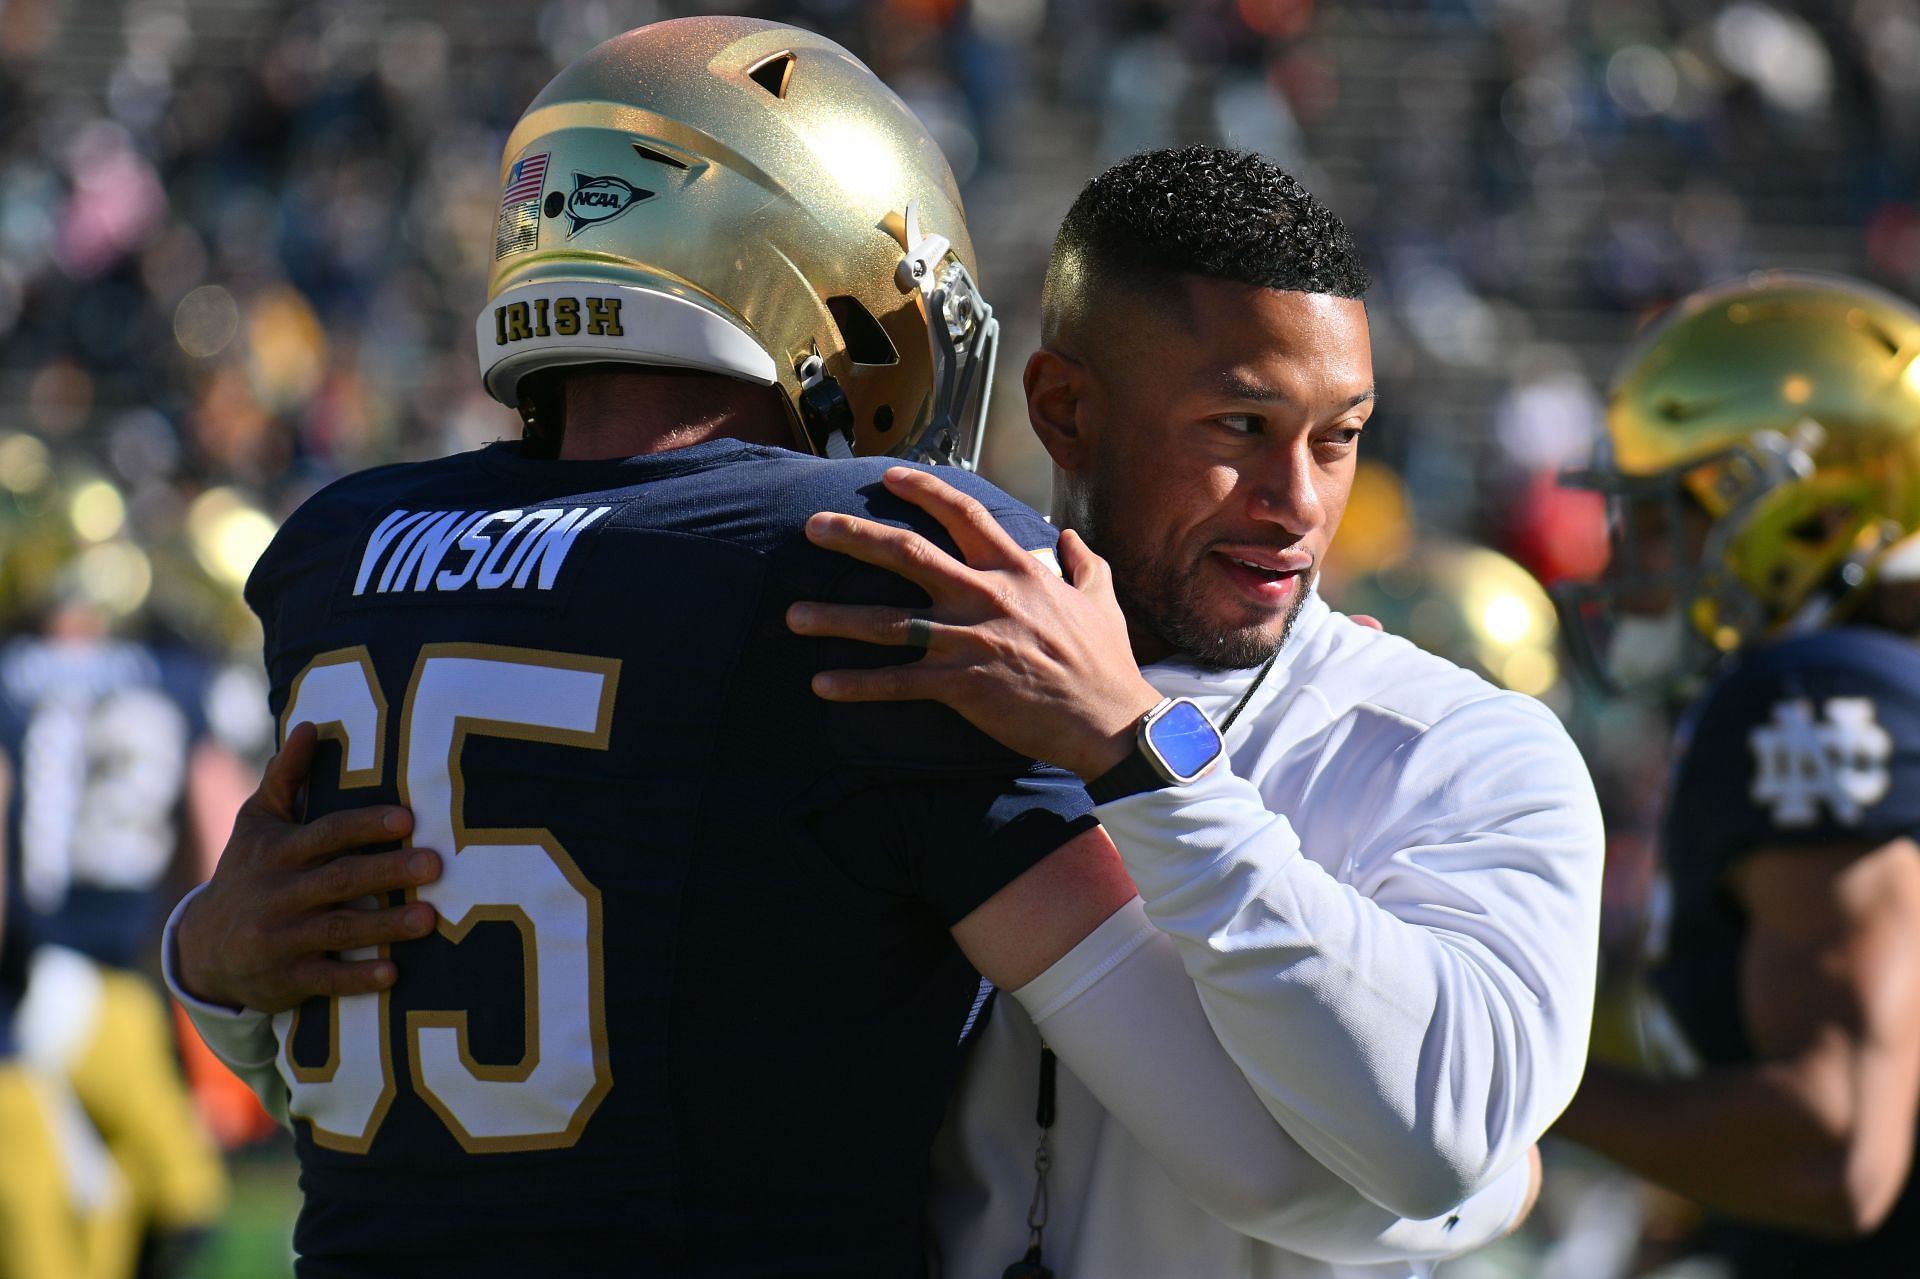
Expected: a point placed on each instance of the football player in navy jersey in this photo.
(109, 748)
(685, 996)
(1763, 454)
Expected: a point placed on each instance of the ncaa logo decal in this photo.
(600, 198)
(1839, 760)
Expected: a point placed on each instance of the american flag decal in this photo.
(525, 178)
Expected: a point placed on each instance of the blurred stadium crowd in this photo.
(242, 243)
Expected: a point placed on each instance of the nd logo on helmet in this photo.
(600, 198)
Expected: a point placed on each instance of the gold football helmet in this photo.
(1468, 604)
(744, 198)
(1762, 454)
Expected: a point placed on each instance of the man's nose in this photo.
(1284, 492)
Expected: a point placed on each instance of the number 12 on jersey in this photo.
(520, 876)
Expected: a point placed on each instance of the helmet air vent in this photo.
(658, 157)
(866, 341)
(773, 73)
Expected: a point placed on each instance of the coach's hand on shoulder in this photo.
(263, 933)
(1042, 665)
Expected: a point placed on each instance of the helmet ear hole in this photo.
(1821, 526)
(866, 341)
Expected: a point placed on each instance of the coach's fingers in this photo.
(349, 928)
(897, 550)
(285, 774)
(346, 831)
(352, 877)
(980, 537)
(908, 683)
(866, 623)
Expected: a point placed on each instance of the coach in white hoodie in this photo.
(1385, 887)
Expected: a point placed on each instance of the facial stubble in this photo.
(1167, 599)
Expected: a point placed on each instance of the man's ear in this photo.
(1056, 386)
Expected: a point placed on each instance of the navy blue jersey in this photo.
(693, 1007)
(99, 734)
(1812, 742)
(13, 973)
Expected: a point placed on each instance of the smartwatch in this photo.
(1174, 744)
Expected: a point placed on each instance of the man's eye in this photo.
(1344, 437)
(1240, 423)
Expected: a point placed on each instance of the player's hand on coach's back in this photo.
(266, 931)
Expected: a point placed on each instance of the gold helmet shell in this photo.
(1784, 408)
(745, 198)
(1469, 604)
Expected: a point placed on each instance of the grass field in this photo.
(255, 1240)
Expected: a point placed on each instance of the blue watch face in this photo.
(1185, 740)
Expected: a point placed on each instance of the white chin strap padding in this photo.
(555, 322)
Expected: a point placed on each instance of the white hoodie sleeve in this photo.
(1417, 1017)
(241, 1038)
(1124, 1017)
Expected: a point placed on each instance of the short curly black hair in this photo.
(1199, 210)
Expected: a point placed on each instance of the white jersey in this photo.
(1388, 907)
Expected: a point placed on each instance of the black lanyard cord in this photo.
(1030, 1266)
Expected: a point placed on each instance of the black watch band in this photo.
(1130, 776)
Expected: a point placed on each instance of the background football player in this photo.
(111, 755)
(1763, 459)
(40, 1230)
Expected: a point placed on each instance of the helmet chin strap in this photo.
(827, 415)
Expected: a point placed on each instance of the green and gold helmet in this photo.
(744, 198)
(1762, 454)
